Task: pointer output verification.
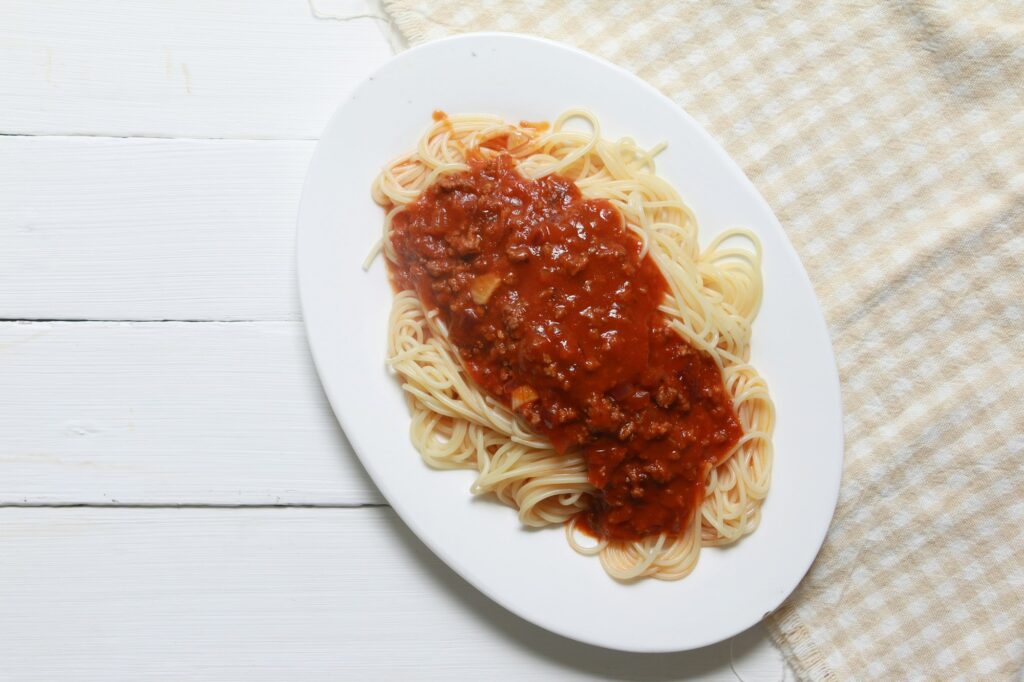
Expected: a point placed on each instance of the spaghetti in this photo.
(649, 433)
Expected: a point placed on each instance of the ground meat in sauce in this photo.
(549, 304)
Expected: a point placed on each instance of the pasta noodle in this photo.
(713, 297)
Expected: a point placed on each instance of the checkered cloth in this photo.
(889, 139)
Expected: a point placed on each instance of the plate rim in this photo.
(305, 298)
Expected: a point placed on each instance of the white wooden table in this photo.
(177, 499)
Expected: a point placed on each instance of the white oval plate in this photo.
(534, 573)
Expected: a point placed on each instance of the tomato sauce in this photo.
(555, 314)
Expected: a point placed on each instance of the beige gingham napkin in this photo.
(889, 139)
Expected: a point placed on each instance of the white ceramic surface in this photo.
(534, 573)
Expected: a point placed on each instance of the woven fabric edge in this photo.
(793, 639)
(410, 23)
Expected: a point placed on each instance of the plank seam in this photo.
(158, 505)
(75, 320)
(157, 136)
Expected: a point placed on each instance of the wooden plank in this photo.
(101, 228)
(258, 594)
(168, 413)
(256, 69)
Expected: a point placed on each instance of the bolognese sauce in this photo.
(554, 313)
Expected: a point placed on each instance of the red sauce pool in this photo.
(555, 314)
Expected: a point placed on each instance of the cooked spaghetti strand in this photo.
(713, 295)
